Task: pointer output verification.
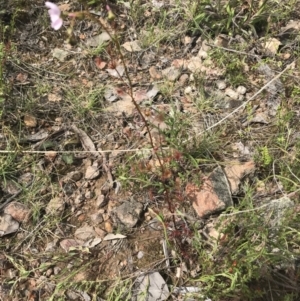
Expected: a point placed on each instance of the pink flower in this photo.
(54, 13)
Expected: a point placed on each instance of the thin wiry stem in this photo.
(118, 47)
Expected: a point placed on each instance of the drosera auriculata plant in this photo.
(57, 22)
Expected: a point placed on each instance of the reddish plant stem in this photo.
(129, 84)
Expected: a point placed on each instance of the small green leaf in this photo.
(47, 145)
(68, 158)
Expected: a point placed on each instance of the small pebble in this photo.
(202, 54)
(70, 266)
(92, 172)
(49, 272)
(51, 246)
(59, 120)
(74, 176)
(232, 94)
(194, 64)
(241, 90)
(89, 194)
(42, 279)
(96, 218)
(56, 270)
(79, 199)
(10, 273)
(206, 47)
(171, 73)
(155, 73)
(85, 185)
(188, 90)
(241, 97)
(140, 254)
(221, 85)
(101, 201)
(183, 79)
(55, 206)
(18, 211)
(108, 227)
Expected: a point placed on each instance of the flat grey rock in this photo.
(276, 210)
(221, 186)
(129, 213)
(8, 225)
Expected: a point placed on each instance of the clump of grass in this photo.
(251, 254)
(89, 101)
(233, 64)
(256, 18)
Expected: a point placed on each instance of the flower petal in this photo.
(57, 24)
(54, 18)
(54, 9)
(54, 13)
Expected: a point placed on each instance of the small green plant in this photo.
(264, 156)
(296, 94)
(232, 17)
(233, 65)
